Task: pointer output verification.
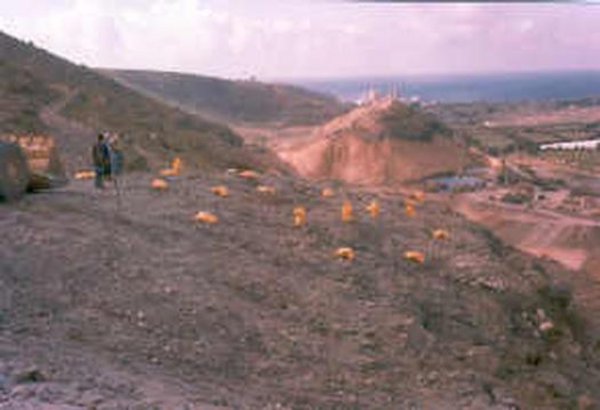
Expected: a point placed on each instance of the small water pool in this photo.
(455, 182)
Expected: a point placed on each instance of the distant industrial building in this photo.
(592, 144)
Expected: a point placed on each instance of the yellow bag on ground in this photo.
(159, 184)
(345, 253)
(299, 216)
(347, 212)
(206, 217)
(414, 256)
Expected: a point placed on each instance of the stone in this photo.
(546, 326)
(30, 375)
(585, 402)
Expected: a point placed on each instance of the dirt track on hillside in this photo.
(571, 240)
(74, 140)
(568, 239)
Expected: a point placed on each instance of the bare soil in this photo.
(380, 143)
(561, 224)
(130, 304)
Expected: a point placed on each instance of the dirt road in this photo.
(542, 232)
(73, 138)
(571, 240)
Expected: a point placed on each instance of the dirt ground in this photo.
(133, 305)
(561, 223)
(362, 147)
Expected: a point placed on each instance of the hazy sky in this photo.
(310, 38)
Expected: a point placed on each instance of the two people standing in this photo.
(107, 159)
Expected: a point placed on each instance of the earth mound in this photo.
(383, 142)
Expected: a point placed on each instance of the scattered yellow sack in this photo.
(410, 211)
(85, 175)
(206, 217)
(327, 193)
(414, 256)
(248, 174)
(177, 165)
(175, 170)
(167, 172)
(159, 184)
(347, 213)
(263, 189)
(345, 254)
(299, 216)
(418, 196)
(220, 190)
(441, 235)
(374, 209)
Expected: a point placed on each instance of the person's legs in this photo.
(98, 182)
(107, 172)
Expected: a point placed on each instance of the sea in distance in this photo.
(531, 86)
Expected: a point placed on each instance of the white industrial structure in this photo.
(593, 144)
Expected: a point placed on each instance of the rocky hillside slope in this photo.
(137, 306)
(40, 92)
(241, 101)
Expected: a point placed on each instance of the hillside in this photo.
(136, 307)
(241, 101)
(383, 142)
(505, 128)
(42, 92)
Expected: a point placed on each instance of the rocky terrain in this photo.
(41, 92)
(384, 142)
(125, 302)
(120, 299)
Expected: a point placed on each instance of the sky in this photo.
(302, 39)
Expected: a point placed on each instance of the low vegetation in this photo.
(87, 102)
(241, 101)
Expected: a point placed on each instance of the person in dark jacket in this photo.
(101, 160)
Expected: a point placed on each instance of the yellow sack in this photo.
(81, 175)
(168, 172)
(441, 235)
(414, 256)
(220, 190)
(347, 213)
(206, 217)
(345, 254)
(177, 165)
(263, 189)
(159, 184)
(374, 209)
(248, 174)
(299, 216)
(418, 196)
(175, 170)
(327, 193)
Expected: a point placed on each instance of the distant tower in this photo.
(372, 95)
(394, 94)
